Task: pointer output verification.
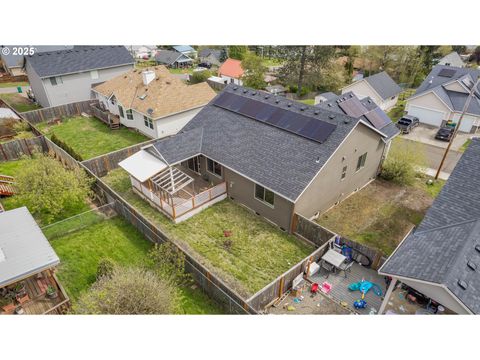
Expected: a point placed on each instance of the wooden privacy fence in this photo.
(15, 149)
(102, 164)
(46, 114)
(283, 283)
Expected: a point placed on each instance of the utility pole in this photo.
(465, 107)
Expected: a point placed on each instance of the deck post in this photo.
(387, 295)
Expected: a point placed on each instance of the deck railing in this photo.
(104, 115)
(184, 207)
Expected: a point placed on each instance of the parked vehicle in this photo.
(445, 133)
(407, 123)
(205, 65)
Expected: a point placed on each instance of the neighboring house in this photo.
(142, 51)
(211, 56)
(231, 72)
(441, 257)
(452, 59)
(28, 262)
(276, 89)
(173, 59)
(442, 95)
(14, 63)
(273, 155)
(66, 76)
(380, 87)
(186, 50)
(154, 102)
(326, 96)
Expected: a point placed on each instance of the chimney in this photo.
(148, 76)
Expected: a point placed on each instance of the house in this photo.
(13, 58)
(186, 50)
(231, 72)
(211, 56)
(441, 257)
(326, 96)
(142, 51)
(452, 59)
(27, 267)
(379, 87)
(173, 59)
(442, 96)
(66, 76)
(275, 156)
(276, 89)
(153, 101)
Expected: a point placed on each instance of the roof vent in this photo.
(254, 93)
(477, 247)
(303, 108)
(331, 116)
(329, 105)
(267, 96)
(316, 112)
(346, 121)
(317, 160)
(277, 101)
(369, 101)
(142, 97)
(235, 87)
(344, 98)
(351, 95)
(338, 101)
(472, 265)
(289, 104)
(462, 284)
(245, 91)
(149, 111)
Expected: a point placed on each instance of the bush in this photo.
(200, 76)
(66, 147)
(403, 162)
(169, 263)
(128, 291)
(105, 268)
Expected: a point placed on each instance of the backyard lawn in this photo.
(397, 111)
(254, 255)
(81, 251)
(381, 214)
(18, 102)
(89, 137)
(13, 84)
(308, 101)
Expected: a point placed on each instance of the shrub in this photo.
(169, 263)
(128, 291)
(200, 76)
(403, 162)
(66, 147)
(105, 268)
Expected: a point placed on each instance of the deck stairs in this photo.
(7, 185)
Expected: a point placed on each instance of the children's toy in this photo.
(364, 287)
(360, 304)
(326, 287)
(314, 288)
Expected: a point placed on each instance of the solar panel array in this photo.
(301, 125)
(353, 107)
(447, 72)
(378, 118)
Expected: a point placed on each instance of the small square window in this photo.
(56, 80)
(361, 161)
(264, 195)
(94, 74)
(129, 114)
(148, 122)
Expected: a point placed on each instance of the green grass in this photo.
(13, 84)
(89, 137)
(272, 62)
(399, 109)
(181, 71)
(381, 214)
(258, 253)
(18, 102)
(308, 101)
(81, 251)
(465, 145)
(18, 136)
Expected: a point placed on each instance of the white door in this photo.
(427, 116)
(467, 122)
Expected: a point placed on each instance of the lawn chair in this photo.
(329, 267)
(346, 267)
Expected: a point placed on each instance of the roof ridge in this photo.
(445, 226)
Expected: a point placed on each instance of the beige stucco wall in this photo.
(327, 188)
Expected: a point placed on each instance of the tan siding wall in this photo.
(327, 187)
(429, 101)
(362, 90)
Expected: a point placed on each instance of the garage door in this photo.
(427, 116)
(467, 122)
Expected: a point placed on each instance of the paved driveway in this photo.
(426, 135)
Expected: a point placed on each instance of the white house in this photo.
(379, 87)
(442, 95)
(231, 72)
(153, 101)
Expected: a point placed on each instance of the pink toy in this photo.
(326, 287)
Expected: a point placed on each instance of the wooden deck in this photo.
(340, 292)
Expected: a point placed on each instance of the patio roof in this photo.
(142, 165)
(24, 250)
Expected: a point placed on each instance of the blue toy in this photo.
(360, 304)
(364, 287)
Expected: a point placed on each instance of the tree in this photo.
(444, 50)
(254, 71)
(200, 76)
(475, 56)
(48, 189)
(237, 52)
(128, 291)
(169, 263)
(403, 161)
(461, 49)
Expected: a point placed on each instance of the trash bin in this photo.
(19, 89)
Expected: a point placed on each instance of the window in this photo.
(129, 114)
(56, 80)
(120, 110)
(214, 167)
(264, 195)
(194, 164)
(361, 161)
(94, 74)
(147, 121)
(344, 173)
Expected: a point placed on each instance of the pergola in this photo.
(170, 181)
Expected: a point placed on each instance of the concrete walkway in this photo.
(13, 90)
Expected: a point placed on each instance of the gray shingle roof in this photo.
(79, 59)
(207, 52)
(12, 60)
(383, 85)
(168, 57)
(24, 250)
(274, 158)
(443, 243)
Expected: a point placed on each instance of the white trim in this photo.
(368, 84)
(425, 93)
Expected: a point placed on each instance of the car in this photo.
(407, 123)
(445, 133)
(205, 65)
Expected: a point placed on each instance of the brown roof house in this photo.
(153, 101)
(273, 155)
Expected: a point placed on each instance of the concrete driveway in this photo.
(426, 135)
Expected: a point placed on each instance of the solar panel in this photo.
(447, 72)
(353, 107)
(378, 118)
(287, 120)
